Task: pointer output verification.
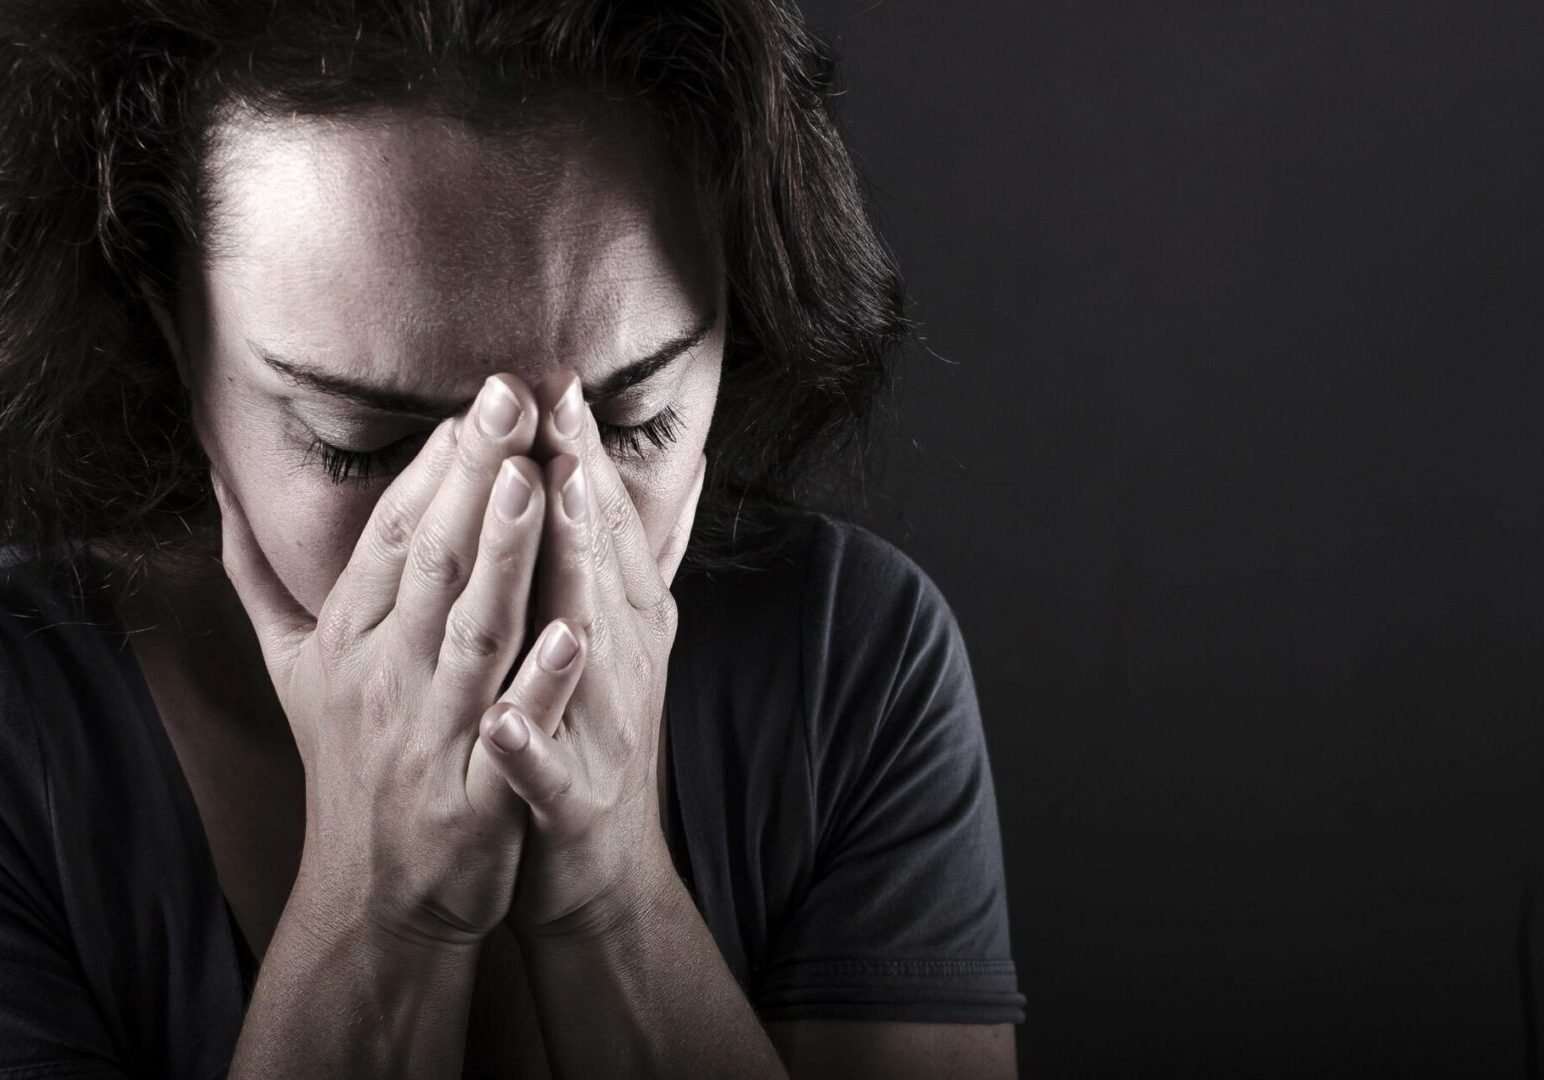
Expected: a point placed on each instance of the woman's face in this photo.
(370, 274)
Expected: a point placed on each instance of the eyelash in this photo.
(342, 465)
(660, 429)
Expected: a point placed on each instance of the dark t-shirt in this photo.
(831, 812)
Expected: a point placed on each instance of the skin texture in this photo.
(411, 255)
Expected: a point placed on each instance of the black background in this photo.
(1231, 469)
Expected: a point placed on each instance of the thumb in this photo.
(489, 791)
(282, 625)
(674, 549)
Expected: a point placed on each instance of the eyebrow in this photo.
(388, 399)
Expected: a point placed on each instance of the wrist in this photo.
(640, 893)
(332, 907)
(341, 993)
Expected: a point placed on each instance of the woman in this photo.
(370, 369)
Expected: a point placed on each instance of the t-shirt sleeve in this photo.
(50, 1028)
(904, 916)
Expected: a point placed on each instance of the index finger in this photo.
(366, 590)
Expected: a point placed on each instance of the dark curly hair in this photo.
(107, 109)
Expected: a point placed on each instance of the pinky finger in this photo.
(504, 761)
(539, 768)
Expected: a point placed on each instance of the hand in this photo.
(589, 774)
(407, 821)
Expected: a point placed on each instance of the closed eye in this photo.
(660, 429)
(343, 465)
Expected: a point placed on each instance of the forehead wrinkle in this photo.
(541, 273)
(606, 313)
(585, 275)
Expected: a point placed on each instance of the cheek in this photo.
(306, 533)
(305, 526)
(656, 499)
(660, 487)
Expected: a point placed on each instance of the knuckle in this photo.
(640, 666)
(601, 634)
(442, 817)
(663, 617)
(614, 509)
(468, 637)
(411, 772)
(334, 634)
(471, 455)
(393, 530)
(600, 546)
(434, 559)
(559, 788)
(502, 548)
(632, 548)
(628, 740)
(571, 561)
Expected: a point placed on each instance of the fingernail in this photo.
(506, 729)
(568, 417)
(576, 500)
(511, 494)
(558, 648)
(497, 410)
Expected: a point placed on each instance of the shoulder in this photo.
(841, 592)
(865, 590)
(54, 620)
(889, 698)
(898, 909)
(837, 570)
(878, 631)
(842, 631)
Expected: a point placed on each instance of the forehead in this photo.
(408, 249)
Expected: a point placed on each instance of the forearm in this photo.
(340, 996)
(644, 991)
